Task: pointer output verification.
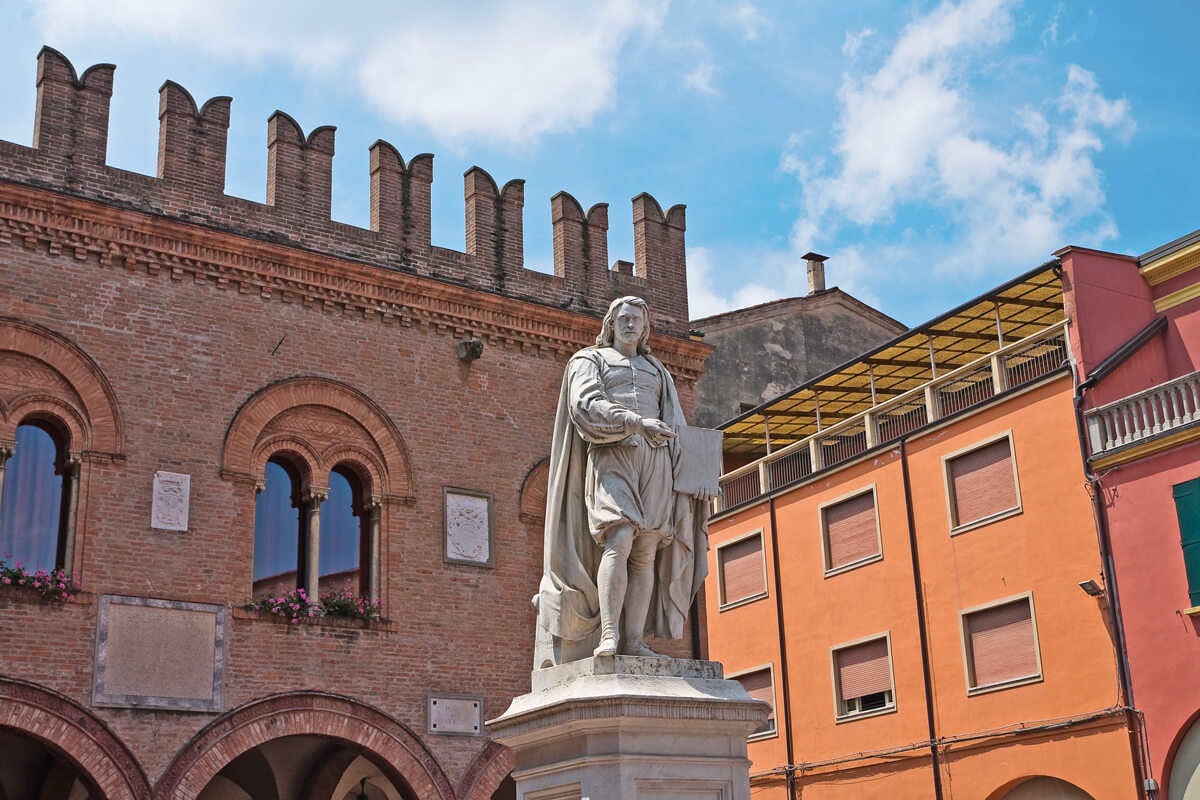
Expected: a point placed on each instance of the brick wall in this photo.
(181, 305)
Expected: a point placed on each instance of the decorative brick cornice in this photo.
(119, 238)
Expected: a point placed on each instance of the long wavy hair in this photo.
(607, 335)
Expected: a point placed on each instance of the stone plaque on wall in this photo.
(169, 506)
(455, 714)
(467, 537)
(159, 654)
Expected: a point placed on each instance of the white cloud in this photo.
(703, 298)
(507, 71)
(749, 19)
(908, 141)
(700, 79)
(854, 41)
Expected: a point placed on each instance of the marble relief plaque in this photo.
(458, 715)
(159, 654)
(169, 506)
(468, 527)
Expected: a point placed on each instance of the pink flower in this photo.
(7, 579)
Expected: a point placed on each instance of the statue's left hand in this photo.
(707, 493)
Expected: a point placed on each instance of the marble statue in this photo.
(625, 553)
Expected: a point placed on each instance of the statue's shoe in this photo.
(607, 647)
(643, 650)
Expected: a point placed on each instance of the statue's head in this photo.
(606, 336)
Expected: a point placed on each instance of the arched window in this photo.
(33, 505)
(278, 545)
(343, 533)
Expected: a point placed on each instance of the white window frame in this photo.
(963, 638)
(948, 485)
(770, 667)
(722, 605)
(839, 703)
(829, 572)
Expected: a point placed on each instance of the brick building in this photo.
(190, 380)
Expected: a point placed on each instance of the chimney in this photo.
(816, 272)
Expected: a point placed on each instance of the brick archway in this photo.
(326, 419)
(533, 492)
(390, 744)
(61, 381)
(486, 772)
(74, 731)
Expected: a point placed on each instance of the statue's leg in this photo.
(637, 595)
(612, 579)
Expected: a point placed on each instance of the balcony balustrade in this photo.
(1009, 367)
(1145, 415)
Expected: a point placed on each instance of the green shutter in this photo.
(1187, 506)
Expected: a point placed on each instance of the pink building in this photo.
(1135, 338)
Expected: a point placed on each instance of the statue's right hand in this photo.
(656, 431)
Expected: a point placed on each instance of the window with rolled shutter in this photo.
(742, 571)
(982, 483)
(1187, 508)
(1001, 646)
(864, 677)
(851, 531)
(760, 685)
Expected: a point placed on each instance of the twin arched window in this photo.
(35, 513)
(312, 538)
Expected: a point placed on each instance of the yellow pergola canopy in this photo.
(1009, 313)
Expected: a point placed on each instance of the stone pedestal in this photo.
(630, 728)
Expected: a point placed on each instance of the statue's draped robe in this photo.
(568, 600)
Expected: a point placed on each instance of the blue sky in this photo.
(932, 150)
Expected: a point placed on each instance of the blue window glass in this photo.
(340, 551)
(31, 505)
(277, 530)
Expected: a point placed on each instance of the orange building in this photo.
(898, 563)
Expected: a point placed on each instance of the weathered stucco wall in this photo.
(767, 349)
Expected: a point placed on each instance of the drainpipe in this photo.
(783, 661)
(919, 591)
(1143, 770)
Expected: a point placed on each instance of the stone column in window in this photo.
(6, 452)
(374, 516)
(312, 499)
(71, 489)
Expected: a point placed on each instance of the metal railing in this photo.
(1009, 367)
(1145, 415)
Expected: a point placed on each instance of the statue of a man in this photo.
(625, 553)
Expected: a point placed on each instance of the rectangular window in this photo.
(759, 683)
(851, 531)
(982, 484)
(1001, 645)
(1187, 508)
(741, 570)
(862, 676)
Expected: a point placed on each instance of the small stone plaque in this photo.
(468, 527)
(169, 506)
(455, 714)
(159, 654)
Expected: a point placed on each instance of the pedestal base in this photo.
(624, 727)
